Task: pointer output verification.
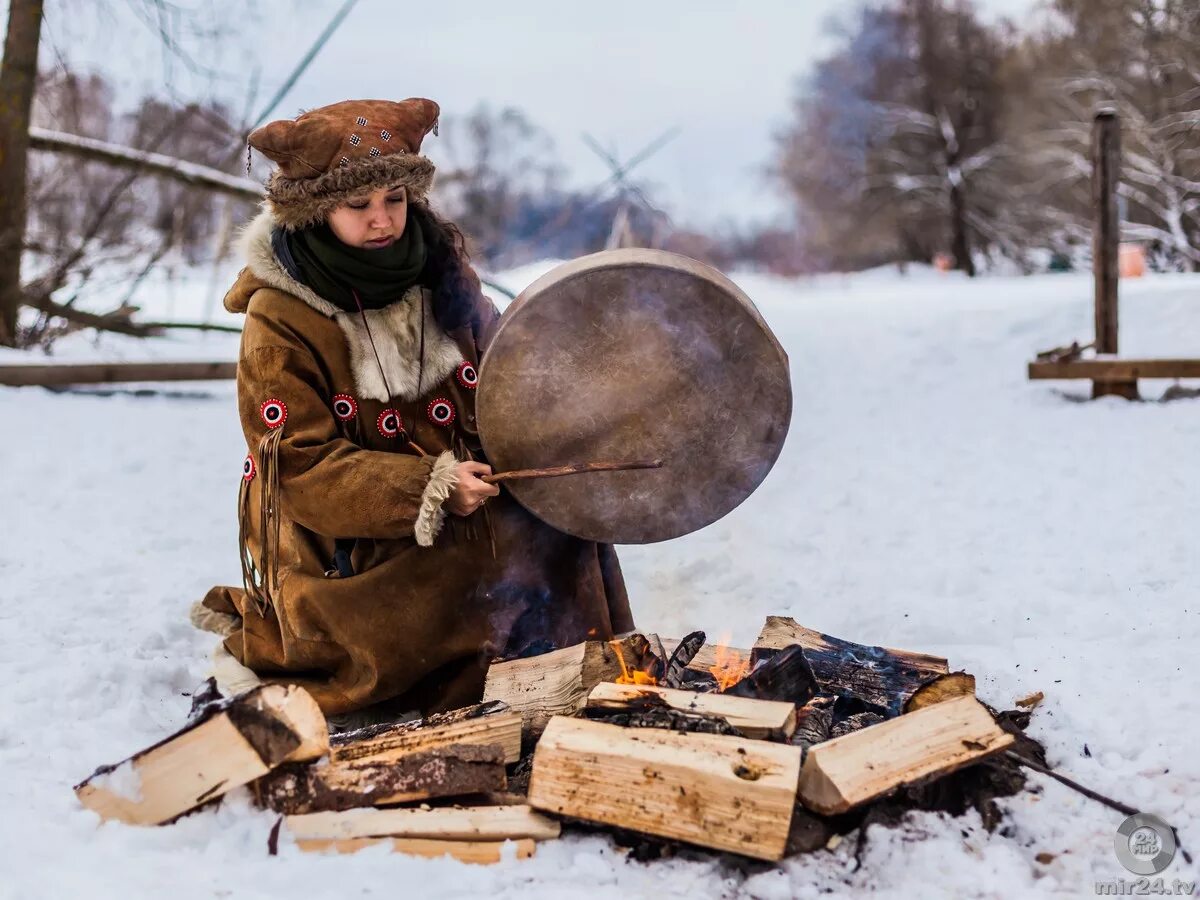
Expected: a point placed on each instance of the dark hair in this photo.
(457, 295)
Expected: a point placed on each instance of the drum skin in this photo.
(634, 354)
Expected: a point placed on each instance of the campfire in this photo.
(762, 752)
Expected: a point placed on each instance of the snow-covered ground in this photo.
(928, 497)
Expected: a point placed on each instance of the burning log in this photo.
(482, 724)
(723, 792)
(558, 683)
(814, 721)
(785, 676)
(439, 772)
(762, 719)
(848, 771)
(227, 744)
(881, 677)
(681, 657)
(468, 823)
(479, 852)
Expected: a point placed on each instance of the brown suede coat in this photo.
(432, 597)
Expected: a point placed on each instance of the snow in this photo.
(123, 781)
(928, 497)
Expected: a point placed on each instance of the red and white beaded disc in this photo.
(273, 412)
(389, 424)
(345, 407)
(248, 468)
(441, 412)
(467, 376)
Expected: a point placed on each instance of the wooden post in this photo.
(1106, 236)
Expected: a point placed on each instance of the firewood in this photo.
(450, 771)
(228, 744)
(848, 771)
(880, 676)
(706, 657)
(944, 687)
(559, 682)
(814, 721)
(481, 852)
(786, 676)
(485, 723)
(468, 823)
(753, 718)
(727, 793)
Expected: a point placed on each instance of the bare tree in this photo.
(18, 74)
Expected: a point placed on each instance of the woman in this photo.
(377, 565)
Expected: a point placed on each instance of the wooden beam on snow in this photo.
(478, 852)
(1113, 369)
(470, 823)
(848, 771)
(762, 719)
(64, 374)
(438, 772)
(727, 793)
(482, 724)
(231, 743)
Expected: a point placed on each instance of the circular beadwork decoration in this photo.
(248, 468)
(389, 424)
(273, 412)
(345, 407)
(441, 412)
(467, 376)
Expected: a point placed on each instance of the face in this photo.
(371, 221)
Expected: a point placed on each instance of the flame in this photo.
(627, 677)
(730, 667)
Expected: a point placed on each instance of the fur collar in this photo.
(396, 328)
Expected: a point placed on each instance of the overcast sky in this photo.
(722, 72)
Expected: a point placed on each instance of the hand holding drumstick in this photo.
(476, 481)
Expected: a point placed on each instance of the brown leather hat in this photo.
(328, 155)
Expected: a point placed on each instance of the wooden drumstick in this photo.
(576, 469)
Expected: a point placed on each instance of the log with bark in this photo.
(762, 719)
(482, 724)
(846, 772)
(880, 677)
(227, 744)
(558, 683)
(727, 793)
(450, 771)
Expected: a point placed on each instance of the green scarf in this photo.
(337, 271)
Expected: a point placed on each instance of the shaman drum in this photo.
(634, 354)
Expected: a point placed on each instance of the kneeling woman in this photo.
(377, 565)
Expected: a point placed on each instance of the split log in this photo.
(762, 719)
(482, 724)
(439, 772)
(468, 823)
(728, 793)
(228, 744)
(558, 683)
(881, 677)
(848, 771)
(944, 687)
(480, 852)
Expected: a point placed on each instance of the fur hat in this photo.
(328, 155)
